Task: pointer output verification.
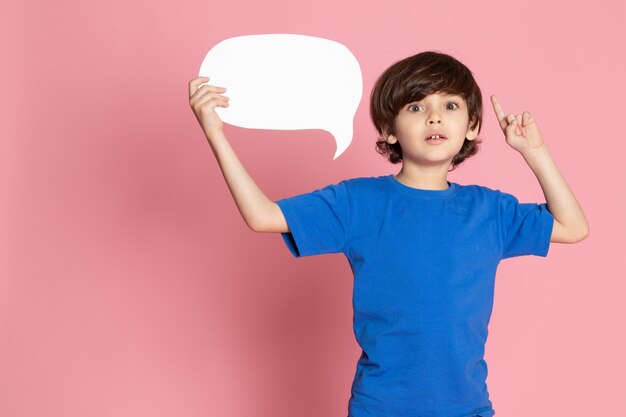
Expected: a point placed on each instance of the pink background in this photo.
(130, 285)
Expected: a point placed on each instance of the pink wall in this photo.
(130, 285)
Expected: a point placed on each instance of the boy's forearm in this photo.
(559, 197)
(249, 198)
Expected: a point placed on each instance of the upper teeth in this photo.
(434, 136)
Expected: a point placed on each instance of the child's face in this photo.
(436, 113)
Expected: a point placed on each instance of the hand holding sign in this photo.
(203, 99)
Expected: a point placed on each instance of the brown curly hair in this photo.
(412, 79)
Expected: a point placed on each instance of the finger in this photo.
(199, 101)
(212, 102)
(529, 118)
(511, 129)
(518, 123)
(520, 128)
(499, 112)
(204, 94)
(512, 124)
(194, 83)
(198, 82)
(203, 89)
(510, 118)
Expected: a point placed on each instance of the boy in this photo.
(423, 250)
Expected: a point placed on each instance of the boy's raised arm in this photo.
(258, 211)
(522, 134)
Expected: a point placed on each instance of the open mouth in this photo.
(435, 139)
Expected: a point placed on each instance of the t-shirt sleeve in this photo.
(318, 221)
(525, 228)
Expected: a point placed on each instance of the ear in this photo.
(472, 133)
(391, 139)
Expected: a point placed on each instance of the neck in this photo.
(425, 178)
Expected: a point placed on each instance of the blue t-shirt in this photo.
(424, 264)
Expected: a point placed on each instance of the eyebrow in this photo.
(448, 97)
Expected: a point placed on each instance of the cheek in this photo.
(462, 124)
(404, 129)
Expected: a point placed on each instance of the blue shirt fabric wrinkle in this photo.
(424, 265)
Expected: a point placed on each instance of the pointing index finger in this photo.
(499, 112)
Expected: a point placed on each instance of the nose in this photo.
(433, 118)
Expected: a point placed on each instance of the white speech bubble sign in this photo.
(287, 82)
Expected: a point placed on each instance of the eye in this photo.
(410, 106)
(456, 106)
